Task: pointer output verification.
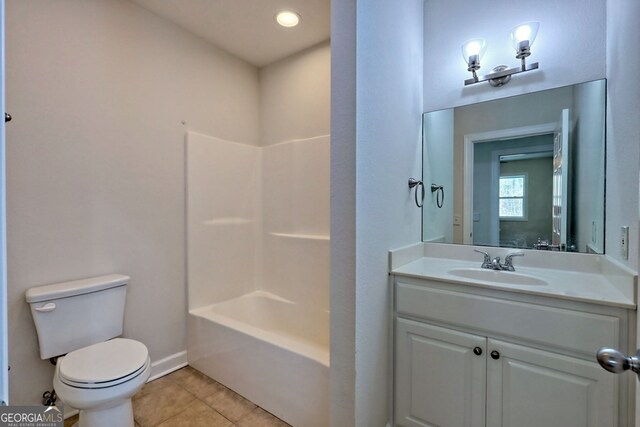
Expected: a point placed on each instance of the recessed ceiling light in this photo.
(287, 18)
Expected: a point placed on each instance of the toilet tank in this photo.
(72, 315)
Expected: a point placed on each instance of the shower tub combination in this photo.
(269, 350)
(258, 272)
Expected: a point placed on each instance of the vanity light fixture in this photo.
(522, 36)
(288, 18)
(472, 51)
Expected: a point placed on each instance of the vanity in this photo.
(479, 347)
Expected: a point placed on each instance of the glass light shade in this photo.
(524, 35)
(473, 50)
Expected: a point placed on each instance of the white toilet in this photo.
(100, 373)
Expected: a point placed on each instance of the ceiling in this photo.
(247, 28)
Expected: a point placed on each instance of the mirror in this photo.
(523, 172)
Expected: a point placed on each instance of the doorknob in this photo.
(7, 117)
(614, 361)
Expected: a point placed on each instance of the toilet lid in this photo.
(104, 362)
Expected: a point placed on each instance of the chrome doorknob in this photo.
(614, 361)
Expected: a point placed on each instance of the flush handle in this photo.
(50, 306)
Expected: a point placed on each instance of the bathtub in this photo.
(270, 350)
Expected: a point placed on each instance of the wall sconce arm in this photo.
(501, 74)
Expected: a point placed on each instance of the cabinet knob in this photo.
(495, 355)
(477, 351)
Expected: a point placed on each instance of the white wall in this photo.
(570, 46)
(588, 132)
(376, 144)
(623, 135)
(295, 96)
(95, 155)
(343, 213)
(437, 223)
(389, 148)
(623, 130)
(4, 329)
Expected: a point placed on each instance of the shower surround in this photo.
(258, 271)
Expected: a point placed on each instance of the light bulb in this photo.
(523, 36)
(472, 51)
(473, 48)
(287, 18)
(522, 33)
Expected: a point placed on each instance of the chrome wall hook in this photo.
(417, 184)
(439, 190)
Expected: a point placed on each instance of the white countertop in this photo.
(607, 283)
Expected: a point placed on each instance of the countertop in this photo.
(601, 281)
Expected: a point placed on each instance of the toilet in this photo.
(79, 322)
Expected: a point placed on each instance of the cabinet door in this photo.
(440, 381)
(527, 387)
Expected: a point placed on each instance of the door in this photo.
(527, 387)
(4, 356)
(561, 170)
(440, 377)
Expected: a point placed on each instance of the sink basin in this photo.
(503, 277)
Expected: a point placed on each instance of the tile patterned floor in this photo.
(187, 398)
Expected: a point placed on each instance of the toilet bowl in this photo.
(79, 323)
(100, 380)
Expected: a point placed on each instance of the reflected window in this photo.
(513, 197)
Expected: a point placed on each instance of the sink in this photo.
(495, 276)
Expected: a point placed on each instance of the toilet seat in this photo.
(105, 364)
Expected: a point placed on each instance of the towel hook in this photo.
(417, 184)
(439, 190)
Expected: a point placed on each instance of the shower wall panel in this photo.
(296, 221)
(223, 211)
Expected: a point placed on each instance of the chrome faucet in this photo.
(494, 263)
(487, 263)
(508, 261)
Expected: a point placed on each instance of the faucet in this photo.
(508, 261)
(487, 263)
(494, 263)
(544, 245)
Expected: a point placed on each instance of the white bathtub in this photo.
(272, 351)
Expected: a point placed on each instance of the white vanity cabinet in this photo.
(527, 387)
(473, 357)
(440, 381)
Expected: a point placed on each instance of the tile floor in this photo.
(187, 398)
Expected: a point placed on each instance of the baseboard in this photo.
(165, 366)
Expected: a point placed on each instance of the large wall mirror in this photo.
(523, 172)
